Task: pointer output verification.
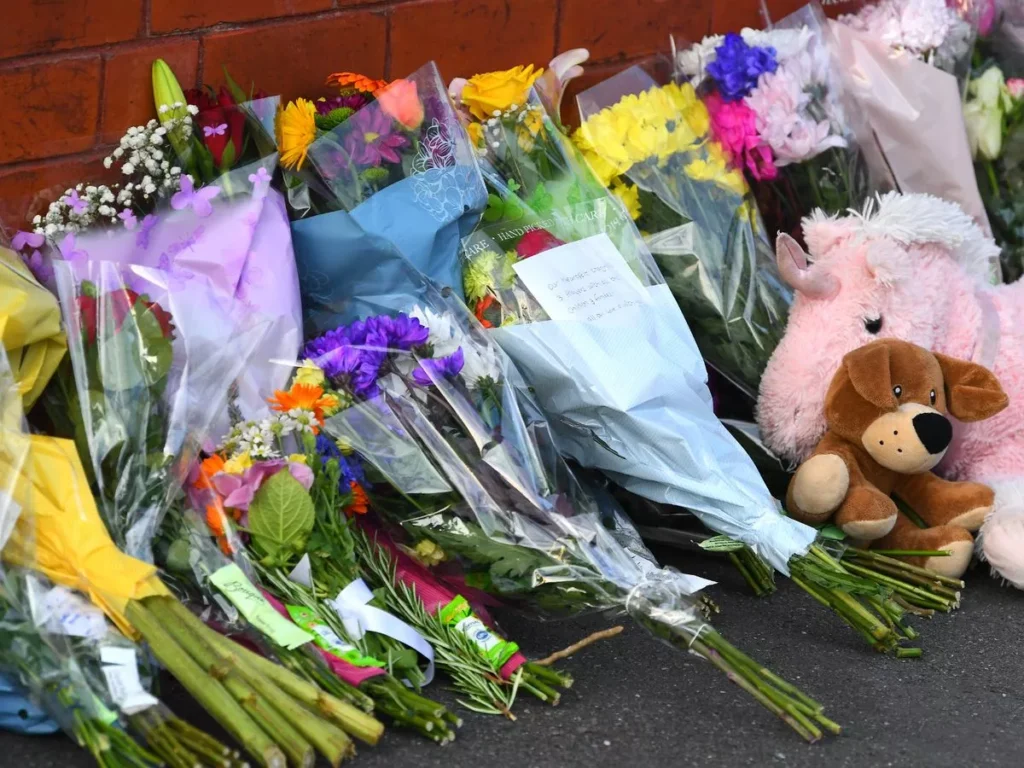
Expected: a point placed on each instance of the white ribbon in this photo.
(359, 617)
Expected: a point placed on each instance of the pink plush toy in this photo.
(916, 268)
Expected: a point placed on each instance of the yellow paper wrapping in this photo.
(60, 532)
(29, 327)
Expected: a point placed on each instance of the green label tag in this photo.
(495, 649)
(250, 602)
(326, 638)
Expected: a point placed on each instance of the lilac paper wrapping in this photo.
(915, 112)
(244, 248)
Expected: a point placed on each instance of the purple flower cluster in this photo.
(442, 367)
(352, 355)
(738, 66)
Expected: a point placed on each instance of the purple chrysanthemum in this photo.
(443, 367)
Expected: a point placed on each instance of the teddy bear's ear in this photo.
(861, 387)
(973, 392)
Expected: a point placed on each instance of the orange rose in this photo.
(401, 102)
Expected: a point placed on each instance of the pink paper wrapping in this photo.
(435, 596)
(350, 673)
(243, 247)
(915, 112)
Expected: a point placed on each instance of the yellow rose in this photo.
(476, 134)
(236, 465)
(497, 91)
(309, 373)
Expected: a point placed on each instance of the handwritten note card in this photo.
(585, 281)
(254, 606)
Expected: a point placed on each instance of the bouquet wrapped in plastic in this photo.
(907, 65)
(391, 157)
(993, 112)
(777, 105)
(650, 143)
(460, 460)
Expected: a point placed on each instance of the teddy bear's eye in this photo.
(897, 390)
(873, 326)
(931, 396)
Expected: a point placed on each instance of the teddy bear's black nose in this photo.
(934, 431)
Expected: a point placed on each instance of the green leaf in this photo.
(722, 544)
(281, 516)
(120, 366)
(541, 200)
(227, 158)
(236, 93)
(513, 185)
(495, 208)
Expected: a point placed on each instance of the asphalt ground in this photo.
(638, 701)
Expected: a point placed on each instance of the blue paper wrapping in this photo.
(19, 714)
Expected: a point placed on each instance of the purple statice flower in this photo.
(371, 138)
(441, 367)
(353, 101)
(738, 66)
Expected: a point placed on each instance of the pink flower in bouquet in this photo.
(371, 138)
(536, 241)
(238, 491)
(734, 125)
(1015, 85)
(986, 17)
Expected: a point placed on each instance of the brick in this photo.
(173, 15)
(35, 26)
(293, 59)
(52, 109)
(734, 15)
(613, 30)
(30, 188)
(469, 37)
(128, 83)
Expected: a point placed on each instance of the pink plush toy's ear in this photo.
(822, 234)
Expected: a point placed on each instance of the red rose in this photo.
(121, 303)
(536, 241)
(219, 123)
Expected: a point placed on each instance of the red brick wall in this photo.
(75, 73)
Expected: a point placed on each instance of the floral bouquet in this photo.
(912, 61)
(651, 145)
(993, 114)
(462, 464)
(276, 500)
(776, 103)
(576, 300)
(398, 167)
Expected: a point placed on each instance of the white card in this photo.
(70, 614)
(585, 281)
(121, 670)
(303, 572)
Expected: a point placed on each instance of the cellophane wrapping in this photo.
(573, 295)
(650, 142)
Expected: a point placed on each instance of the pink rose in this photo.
(1015, 85)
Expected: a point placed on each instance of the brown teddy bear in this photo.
(887, 428)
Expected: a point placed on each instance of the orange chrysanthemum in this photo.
(207, 469)
(361, 83)
(360, 503)
(305, 396)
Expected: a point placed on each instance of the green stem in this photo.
(213, 697)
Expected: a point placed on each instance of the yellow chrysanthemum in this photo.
(295, 127)
(715, 167)
(297, 458)
(629, 194)
(527, 130)
(236, 465)
(309, 373)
